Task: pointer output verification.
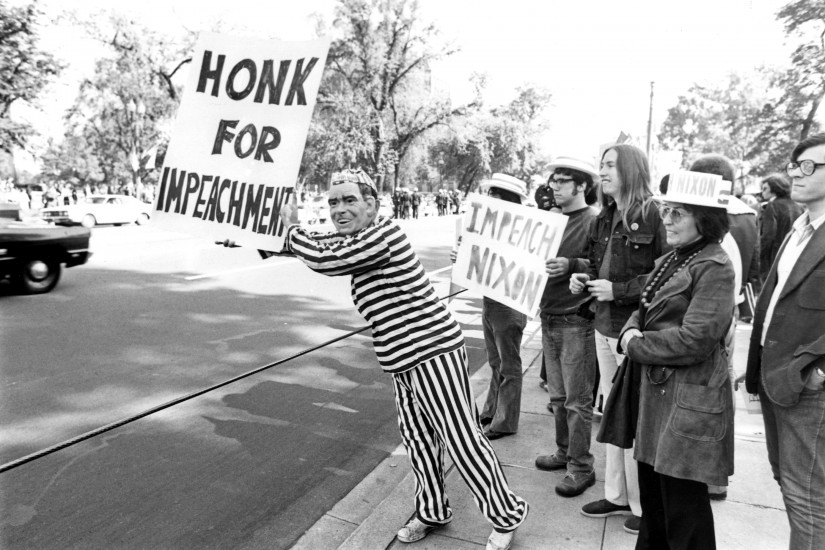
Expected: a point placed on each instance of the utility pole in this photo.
(650, 121)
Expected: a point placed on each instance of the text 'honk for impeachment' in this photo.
(503, 251)
(239, 136)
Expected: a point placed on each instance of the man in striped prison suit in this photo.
(419, 343)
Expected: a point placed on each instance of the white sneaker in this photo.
(500, 541)
(415, 530)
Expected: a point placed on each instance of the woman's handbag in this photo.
(618, 425)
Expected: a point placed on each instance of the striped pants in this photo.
(436, 410)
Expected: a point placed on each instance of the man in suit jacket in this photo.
(786, 360)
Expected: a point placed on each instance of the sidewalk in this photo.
(752, 518)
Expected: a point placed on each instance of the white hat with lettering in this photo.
(738, 206)
(698, 188)
(580, 164)
(508, 183)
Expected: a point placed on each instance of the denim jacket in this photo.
(634, 250)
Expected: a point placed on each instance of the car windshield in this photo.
(96, 200)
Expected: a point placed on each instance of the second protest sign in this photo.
(504, 247)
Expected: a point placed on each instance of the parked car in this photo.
(10, 211)
(31, 255)
(99, 209)
(314, 210)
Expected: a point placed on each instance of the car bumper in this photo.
(77, 257)
(58, 219)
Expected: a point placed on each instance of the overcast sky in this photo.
(596, 57)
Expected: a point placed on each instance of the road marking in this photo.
(335, 406)
(437, 271)
(239, 269)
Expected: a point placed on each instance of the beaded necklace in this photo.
(652, 287)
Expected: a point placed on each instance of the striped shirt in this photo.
(409, 323)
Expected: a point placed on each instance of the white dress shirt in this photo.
(786, 262)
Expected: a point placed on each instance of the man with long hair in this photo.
(625, 240)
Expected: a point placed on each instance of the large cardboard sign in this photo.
(239, 136)
(503, 250)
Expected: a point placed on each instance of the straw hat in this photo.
(699, 189)
(508, 183)
(582, 165)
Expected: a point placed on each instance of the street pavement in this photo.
(752, 518)
(155, 316)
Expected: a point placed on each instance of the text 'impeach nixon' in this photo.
(503, 250)
(516, 230)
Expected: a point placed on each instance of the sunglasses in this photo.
(674, 213)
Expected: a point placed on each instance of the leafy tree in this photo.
(24, 70)
(758, 121)
(124, 110)
(515, 131)
(804, 82)
(742, 118)
(339, 134)
(379, 63)
(463, 153)
(72, 160)
(418, 114)
(504, 139)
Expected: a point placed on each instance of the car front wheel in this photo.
(143, 218)
(38, 276)
(88, 221)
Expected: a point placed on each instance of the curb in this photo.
(371, 514)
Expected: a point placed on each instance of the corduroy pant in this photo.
(437, 412)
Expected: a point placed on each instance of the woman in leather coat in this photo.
(684, 435)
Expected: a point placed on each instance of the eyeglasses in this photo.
(558, 183)
(807, 167)
(674, 213)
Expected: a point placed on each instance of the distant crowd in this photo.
(33, 197)
(410, 203)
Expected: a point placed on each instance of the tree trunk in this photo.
(14, 176)
(395, 176)
(380, 147)
(809, 120)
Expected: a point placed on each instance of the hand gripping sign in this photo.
(503, 250)
(238, 139)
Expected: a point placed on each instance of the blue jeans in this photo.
(796, 450)
(503, 329)
(570, 356)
